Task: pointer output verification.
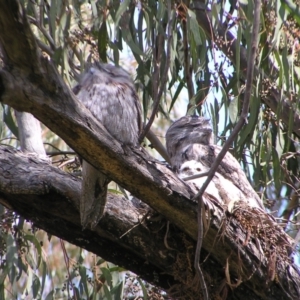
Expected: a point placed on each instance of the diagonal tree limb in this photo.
(233, 135)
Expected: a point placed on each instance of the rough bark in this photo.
(50, 199)
(246, 249)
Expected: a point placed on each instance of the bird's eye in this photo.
(198, 170)
(185, 169)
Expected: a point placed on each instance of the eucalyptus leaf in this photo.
(122, 8)
(10, 122)
(145, 294)
(37, 245)
(233, 110)
(107, 293)
(194, 27)
(36, 284)
(107, 275)
(82, 273)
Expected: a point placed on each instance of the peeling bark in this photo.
(233, 256)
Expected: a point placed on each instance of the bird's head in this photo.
(189, 130)
(107, 74)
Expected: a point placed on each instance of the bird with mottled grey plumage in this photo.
(190, 145)
(109, 93)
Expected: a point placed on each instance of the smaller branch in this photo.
(45, 47)
(64, 163)
(67, 262)
(199, 175)
(187, 67)
(245, 109)
(156, 144)
(164, 78)
(199, 245)
(41, 13)
(55, 153)
(236, 130)
(212, 39)
(155, 78)
(43, 31)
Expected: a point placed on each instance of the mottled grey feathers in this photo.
(109, 93)
(190, 139)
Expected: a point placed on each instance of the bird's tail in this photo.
(93, 195)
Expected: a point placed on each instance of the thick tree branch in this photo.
(50, 198)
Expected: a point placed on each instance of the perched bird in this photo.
(109, 93)
(193, 167)
(190, 139)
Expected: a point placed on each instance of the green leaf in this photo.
(276, 170)
(117, 269)
(53, 12)
(145, 293)
(233, 110)
(286, 66)
(9, 121)
(160, 12)
(107, 292)
(293, 9)
(281, 16)
(114, 191)
(238, 55)
(107, 275)
(21, 268)
(2, 295)
(1, 118)
(29, 281)
(122, 8)
(117, 290)
(140, 29)
(102, 41)
(35, 286)
(21, 222)
(100, 261)
(94, 8)
(174, 98)
(193, 53)
(76, 292)
(50, 296)
(37, 245)
(148, 26)
(133, 46)
(193, 26)
(82, 273)
(11, 253)
(44, 274)
(3, 274)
